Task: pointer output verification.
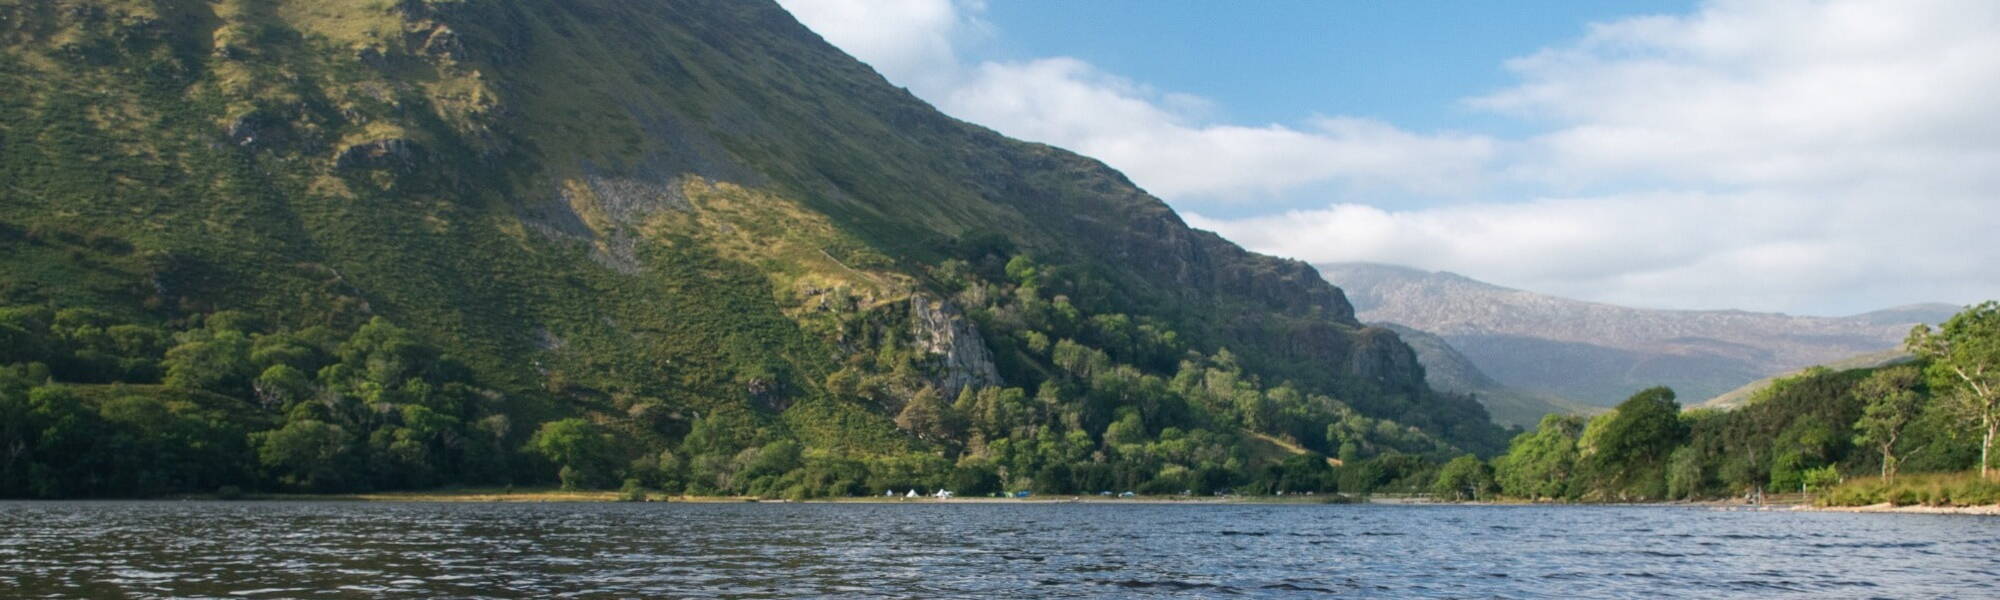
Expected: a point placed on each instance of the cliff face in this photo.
(959, 356)
(694, 203)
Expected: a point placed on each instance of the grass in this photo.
(1924, 489)
(848, 188)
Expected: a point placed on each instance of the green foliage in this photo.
(595, 221)
(585, 454)
(1802, 433)
(1891, 403)
(1935, 489)
(1464, 478)
(1820, 479)
(310, 455)
(1964, 365)
(1541, 464)
(1623, 454)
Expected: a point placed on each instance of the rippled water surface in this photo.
(250, 549)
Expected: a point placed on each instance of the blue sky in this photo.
(1804, 156)
(1405, 62)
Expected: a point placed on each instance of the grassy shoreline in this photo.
(559, 495)
(1859, 496)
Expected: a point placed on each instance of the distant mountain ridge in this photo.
(1596, 353)
(1448, 370)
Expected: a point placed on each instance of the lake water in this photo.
(355, 550)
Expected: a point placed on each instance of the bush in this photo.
(1940, 489)
(632, 491)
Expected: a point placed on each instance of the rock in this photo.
(373, 57)
(391, 153)
(954, 342)
(258, 129)
(444, 43)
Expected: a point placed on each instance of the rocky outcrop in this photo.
(391, 153)
(960, 355)
(258, 129)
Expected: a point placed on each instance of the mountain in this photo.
(1447, 370)
(1931, 313)
(1595, 353)
(686, 244)
(1742, 395)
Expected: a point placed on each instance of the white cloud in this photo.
(1066, 102)
(1749, 250)
(1777, 155)
(911, 42)
(1808, 156)
(1770, 93)
(1159, 139)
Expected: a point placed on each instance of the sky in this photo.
(1807, 157)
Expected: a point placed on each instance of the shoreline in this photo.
(608, 496)
(1989, 510)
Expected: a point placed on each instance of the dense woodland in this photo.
(93, 407)
(1803, 434)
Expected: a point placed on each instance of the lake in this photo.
(421, 550)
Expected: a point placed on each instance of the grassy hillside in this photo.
(692, 228)
(1750, 391)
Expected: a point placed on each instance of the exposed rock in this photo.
(258, 129)
(392, 153)
(443, 43)
(1381, 357)
(630, 200)
(768, 395)
(372, 56)
(954, 342)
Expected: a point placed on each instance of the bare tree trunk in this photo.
(1986, 445)
(1888, 461)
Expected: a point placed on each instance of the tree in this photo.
(1464, 478)
(1540, 463)
(217, 361)
(1892, 402)
(927, 416)
(1626, 451)
(307, 454)
(584, 451)
(1964, 357)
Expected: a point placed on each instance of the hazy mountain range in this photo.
(1596, 354)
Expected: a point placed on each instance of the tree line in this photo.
(1807, 432)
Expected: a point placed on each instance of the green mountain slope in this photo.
(1749, 392)
(693, 228)
(1447, 370)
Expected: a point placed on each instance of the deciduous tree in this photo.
(1964, 358)
(1892, 402)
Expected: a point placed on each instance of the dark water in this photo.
(357, 550)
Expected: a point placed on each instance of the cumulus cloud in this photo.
(1159, 139)
(1807, 156)
(911, 42)
(1069, 103)
(1779, 93)
(1757, 250)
